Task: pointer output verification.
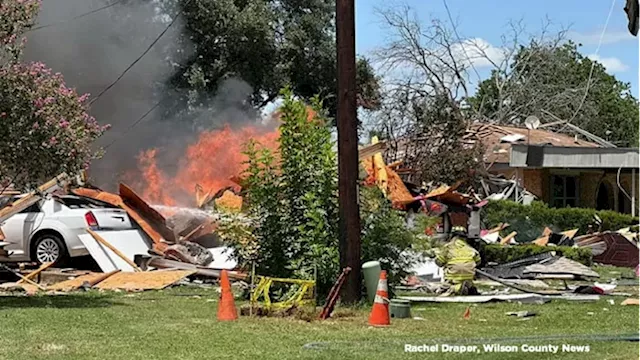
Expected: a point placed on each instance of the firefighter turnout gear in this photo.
(459, 261)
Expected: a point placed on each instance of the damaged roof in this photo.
(497, 140)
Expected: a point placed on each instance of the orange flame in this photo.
(211, 161)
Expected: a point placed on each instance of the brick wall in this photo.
(536, 181)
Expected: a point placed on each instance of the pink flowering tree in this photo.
(44, 125)
(16, 16)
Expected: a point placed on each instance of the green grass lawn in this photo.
(180, 323)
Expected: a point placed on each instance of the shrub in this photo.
(530, 220)
(503, 254)
(385, 235)
(292, 195)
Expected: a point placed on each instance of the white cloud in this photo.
(612, 64)
(478, 52)
(593, 38)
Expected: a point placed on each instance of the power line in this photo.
(593, 65)
(136, 60)
(76, 17)
(133, 124)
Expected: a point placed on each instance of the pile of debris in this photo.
(158, 251)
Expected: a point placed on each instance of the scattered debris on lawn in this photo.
(147, 280)
(631, 301)
(521, 314)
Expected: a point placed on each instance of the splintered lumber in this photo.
(202, 198)
(104, 242)
(398, 192)
(542, 241)
(147, 226)
(508, 238)
(4, 267)
(35, 273)
(73, 284)
(59, 182)
(380, 169)
(546, 232)
(131, 199)
(498, 228)
(370, 150)
(207, 227)
(570, 233)
(631, 301)
(148, 280)
(160, 263)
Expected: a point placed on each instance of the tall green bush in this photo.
(530, 220)
(292, 198)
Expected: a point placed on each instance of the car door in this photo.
(19, 227)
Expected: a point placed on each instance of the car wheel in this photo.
(49, 248)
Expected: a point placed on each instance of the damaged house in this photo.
(561, 170)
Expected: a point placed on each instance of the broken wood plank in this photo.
(631, 301)
(508, 238)
(104, 242)
(131, 199)
(4, 267)
(202, 198)
(35, 273)
(542, 241)
(33, 197)
(546, 232)
(160, 263)
(74, 284)
(570, 233)
(371, 150)
(116, 200)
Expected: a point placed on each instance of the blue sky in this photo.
(488, 20)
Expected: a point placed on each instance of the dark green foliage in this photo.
(529, 221)
(384, 233)
(294, 201)
(268, 44)
(546, 78)
(503, 254)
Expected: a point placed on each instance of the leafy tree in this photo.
(268, 44)
(294, 198)
(15, 18)
(291, 196)
(550, 81)
(44, 125)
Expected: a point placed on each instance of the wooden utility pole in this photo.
(348, 148)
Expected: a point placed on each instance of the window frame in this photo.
(564, 198)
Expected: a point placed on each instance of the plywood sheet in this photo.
(148, 280)
(128, 242)
(73, 284)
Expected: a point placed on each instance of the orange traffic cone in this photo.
(226, 307)
(467, 314)
(380, 311)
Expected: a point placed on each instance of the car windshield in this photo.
(75, 202)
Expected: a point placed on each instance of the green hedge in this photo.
(503, 254)
(530, 220)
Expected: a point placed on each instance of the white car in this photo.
(48, 230)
